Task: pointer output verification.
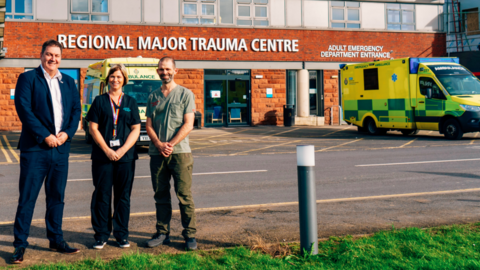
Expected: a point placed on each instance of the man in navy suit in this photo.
(48, 104)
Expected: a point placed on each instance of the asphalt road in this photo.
(257, 165)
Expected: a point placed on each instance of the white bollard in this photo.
(307, 198)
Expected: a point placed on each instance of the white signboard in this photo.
(215, 93)
(12, 93)
(355, 51)
(269, 92)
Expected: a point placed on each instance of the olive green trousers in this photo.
(179, 166)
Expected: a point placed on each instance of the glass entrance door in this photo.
(227, 97)
(238, 102)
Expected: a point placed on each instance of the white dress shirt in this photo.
(53, 85)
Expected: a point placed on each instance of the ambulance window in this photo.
(426, 83)
(370, 79)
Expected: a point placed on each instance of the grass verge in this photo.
(446, 247)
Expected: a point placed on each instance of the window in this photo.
(89, 10)
(400, 17)
(226, 12)
(345, 14)
(19, 9)
(199, 12)
(370, 79)
(426, 83)
(252, 12)
(471, 21)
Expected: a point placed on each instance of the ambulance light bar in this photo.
(414, 62)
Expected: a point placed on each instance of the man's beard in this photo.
(167, 80)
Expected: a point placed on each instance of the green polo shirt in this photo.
(167, 116)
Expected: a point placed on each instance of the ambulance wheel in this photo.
(407, 132)
(452, 130)
(361, 129)
(372, 128)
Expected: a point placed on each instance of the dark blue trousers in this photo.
(38, 167)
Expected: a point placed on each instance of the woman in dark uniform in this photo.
(114, 123)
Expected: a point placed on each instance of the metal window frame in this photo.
(252, 16)
(346, 21)
(90, 13)
(401, 17)
(13, 13)
(199, 15)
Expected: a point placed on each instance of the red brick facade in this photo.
(330, 96)
(24, 40)
(8, 116)
(193, 80)
(268, 111)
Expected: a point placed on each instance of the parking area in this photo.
(266, 140)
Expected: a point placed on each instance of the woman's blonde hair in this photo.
(121, 68)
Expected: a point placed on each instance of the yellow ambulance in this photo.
(411, 94)
(142, 80)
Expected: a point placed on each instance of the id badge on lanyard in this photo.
(115, 142)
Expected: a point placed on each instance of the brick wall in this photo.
(193, 80)
(330, 95)
(24, 40)
(268, 111)
(8, 116)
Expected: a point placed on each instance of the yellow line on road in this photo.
(229, 133)
(11, 149)
(280, 133)
(325, 149)
(403, 195)
(264, 148)
(212, 145)
(5, 152)
(408, 143)
(474, 137)
(335, 131)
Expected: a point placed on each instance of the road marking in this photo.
(76, 156)
(212, 145)
(325, 149)
(11, 149)
(202, 139)
(408, 143)
(209, 209)
(5, 152)
(239, 153)
(474, 137)
(417, 162)
(279, 133)
(335, 132)
(207, 173)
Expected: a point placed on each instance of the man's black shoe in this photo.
(17, 256)
(190, 243)
(63, 247)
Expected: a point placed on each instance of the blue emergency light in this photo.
(414, 62)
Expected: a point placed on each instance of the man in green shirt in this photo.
(170, 117)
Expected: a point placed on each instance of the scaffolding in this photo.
(462, 27)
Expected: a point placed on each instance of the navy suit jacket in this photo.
(33, 103)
